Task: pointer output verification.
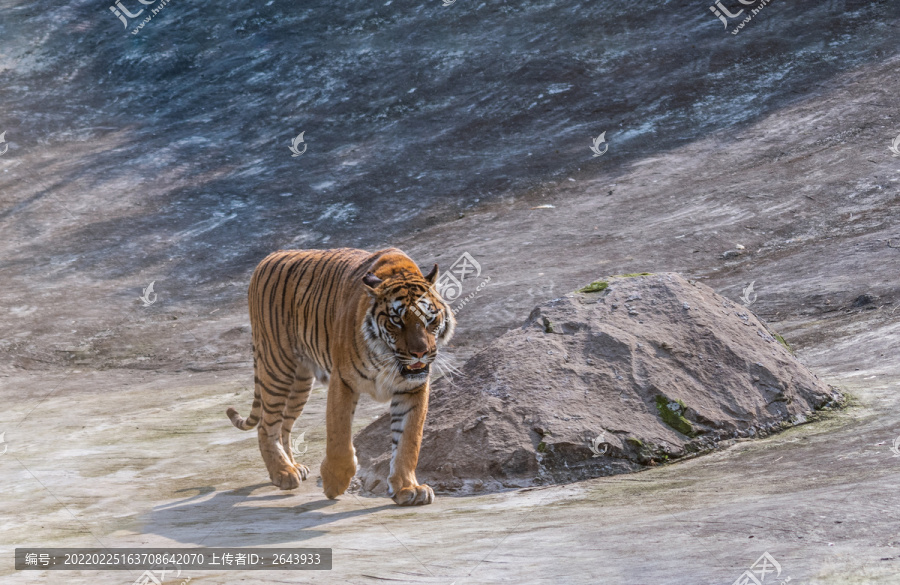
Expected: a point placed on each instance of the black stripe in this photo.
(304, 304)
(296, 324)
(401, 415)
(347, 385)
(415, 390)
(274, 412)
(334, 278)
(269, 360)
(287, 302)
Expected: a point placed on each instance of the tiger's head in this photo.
(407, 322)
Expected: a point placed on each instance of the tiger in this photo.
(360, 322)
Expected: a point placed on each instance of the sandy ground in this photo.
(114, 420)
(125, 465)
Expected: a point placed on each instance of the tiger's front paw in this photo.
(336, 476)
(302, 470)
(288, 478)
(417, 495)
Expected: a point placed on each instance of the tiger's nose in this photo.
(418, 354)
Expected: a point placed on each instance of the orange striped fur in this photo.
(360, 322)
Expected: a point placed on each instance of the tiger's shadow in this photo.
(237, 518)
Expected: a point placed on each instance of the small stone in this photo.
(863, 300)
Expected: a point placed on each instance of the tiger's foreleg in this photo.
(339, 465)
(408, 412)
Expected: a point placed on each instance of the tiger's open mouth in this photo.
(416, 369)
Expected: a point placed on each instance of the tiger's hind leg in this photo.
(275, 386)
(300, 389)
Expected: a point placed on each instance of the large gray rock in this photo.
(650, 368)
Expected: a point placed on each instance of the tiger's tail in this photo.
(245, 424)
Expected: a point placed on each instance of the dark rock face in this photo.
(648, 369)
(412, 112)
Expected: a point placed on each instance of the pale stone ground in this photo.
(151, 461)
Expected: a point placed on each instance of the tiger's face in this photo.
(410, 320)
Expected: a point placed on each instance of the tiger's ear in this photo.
(431, 277)
(371, 281)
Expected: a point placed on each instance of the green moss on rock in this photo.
(783, 342)
(548, 325)
(672, 415)
(596, 286)
(601, 285)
